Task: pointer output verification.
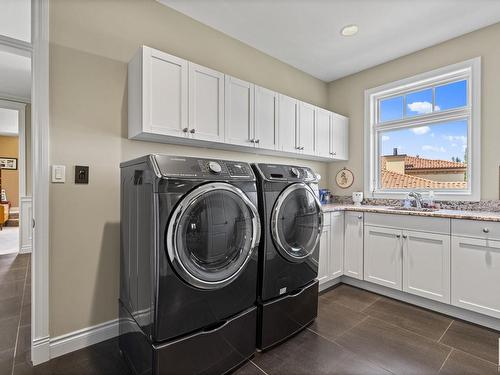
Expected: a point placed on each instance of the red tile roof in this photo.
(393, 180)
(413, 162)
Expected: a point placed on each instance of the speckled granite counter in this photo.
(451, 214)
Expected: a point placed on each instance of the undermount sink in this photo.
(423, 209)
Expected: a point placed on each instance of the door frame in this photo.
(21, 158)
(40, 337)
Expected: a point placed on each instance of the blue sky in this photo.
(439, 141)
(451, 95)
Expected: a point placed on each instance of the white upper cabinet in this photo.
(172, 100)
(158, 94)
(339, 137)
(306, 133)
(266, 119)
(323, 137)
(239, 110)
(287, 129)
(206, 103)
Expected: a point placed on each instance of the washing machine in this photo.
(292, 222)
(190, 231)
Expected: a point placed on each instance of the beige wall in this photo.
(88, 125)
(346, 96)
(9, 147)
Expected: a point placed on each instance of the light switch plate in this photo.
(58, 173)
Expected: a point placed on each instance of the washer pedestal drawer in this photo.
(214, 350)
(284, 316)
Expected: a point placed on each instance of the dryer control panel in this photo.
(178, 166)
(279, 172)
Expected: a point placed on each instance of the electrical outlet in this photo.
(81, 174)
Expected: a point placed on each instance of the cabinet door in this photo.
(353, 245)
(165, 93)
(336, 245)
(266, 118)
(206, 103)
(426, 265)
(323, 132)
(239, 112)
(383, 256)
(340, 137)
(287, 124)
(324, 255)
(306, 128)
(475, 275)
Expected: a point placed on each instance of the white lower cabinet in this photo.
(331, 250)
(383, 256)
(426, 265)
(475, 275)
(353, 245)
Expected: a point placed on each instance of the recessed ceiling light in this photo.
(349, 30)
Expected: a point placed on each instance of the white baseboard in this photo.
(328, 284)
(40, 351)
(82, 338)
(453, 311)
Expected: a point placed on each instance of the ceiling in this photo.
(306, 33)
(15, 19)
(9, 123)
(15, 76)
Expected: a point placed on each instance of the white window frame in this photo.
(470, 70)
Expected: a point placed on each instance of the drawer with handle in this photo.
(476, 229)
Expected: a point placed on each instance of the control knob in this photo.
(295, 172)
(214, 167)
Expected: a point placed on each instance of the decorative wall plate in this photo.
(344, 178)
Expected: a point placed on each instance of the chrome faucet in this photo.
(418, 198)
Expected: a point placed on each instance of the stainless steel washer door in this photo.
(296, 222)
(211, 235)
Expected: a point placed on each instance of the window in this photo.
(423, 134)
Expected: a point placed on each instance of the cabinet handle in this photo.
(405, 236)
(360, 217)
(334, 153)
(398, 236)
(192, 131)
(297, 147)
(257, 141)
(185, 130)
(486, 230)
(251, 140)
(302, 147)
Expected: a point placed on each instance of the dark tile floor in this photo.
(356, 332)
(15, 311)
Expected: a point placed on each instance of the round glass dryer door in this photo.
(297, 222)
(211, 235)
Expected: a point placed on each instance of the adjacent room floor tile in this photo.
(415, 319)
(481, 342)
(462, 363)
(308, 353)
(393, 348)
(249, 369)
(354, 298)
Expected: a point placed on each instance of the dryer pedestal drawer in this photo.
(286, 315)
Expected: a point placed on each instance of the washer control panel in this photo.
(178, 166)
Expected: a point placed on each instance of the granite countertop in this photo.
(451, 214)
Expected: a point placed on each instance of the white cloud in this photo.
(421, 130)
(420, 107)
(454, 145)
(433, 148)
(456, 138)
(385, 138)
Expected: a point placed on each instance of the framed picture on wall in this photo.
(8, 163)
